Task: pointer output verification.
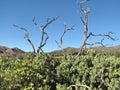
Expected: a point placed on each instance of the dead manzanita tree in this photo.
(44, 37)
(60, 45)
(84, 18)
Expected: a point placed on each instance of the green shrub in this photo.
(42, 73)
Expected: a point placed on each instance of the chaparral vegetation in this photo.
(84, 69)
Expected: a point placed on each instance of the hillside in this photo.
(11, 52)
(16, 52)
(69, 50)
(113, 50)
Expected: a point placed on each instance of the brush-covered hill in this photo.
(113, 50)
(16, 52)
(11, 52)
(68, 50)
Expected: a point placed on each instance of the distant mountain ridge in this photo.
(113, 50)
(16, 52)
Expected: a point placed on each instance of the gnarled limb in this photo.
(84, 13)
(26, 36)
(101, 43)
(44, 34)
(60, 45)
(104, 35)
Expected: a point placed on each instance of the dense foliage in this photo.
(43, 73)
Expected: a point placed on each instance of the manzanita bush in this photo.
(49, 74)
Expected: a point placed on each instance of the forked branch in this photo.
(26, 36)
(84, 18)
(100, 43)
(44, 33)
(104, 35)
(60, 45)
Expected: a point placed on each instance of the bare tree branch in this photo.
(44, 34)
(60, 45)
(106, 35)
(102, 79)
(79, 85)
(26, 36)
(85, 23)
(101, 43)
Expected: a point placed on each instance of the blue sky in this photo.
(104, 17)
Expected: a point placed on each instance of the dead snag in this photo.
(84, 18)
